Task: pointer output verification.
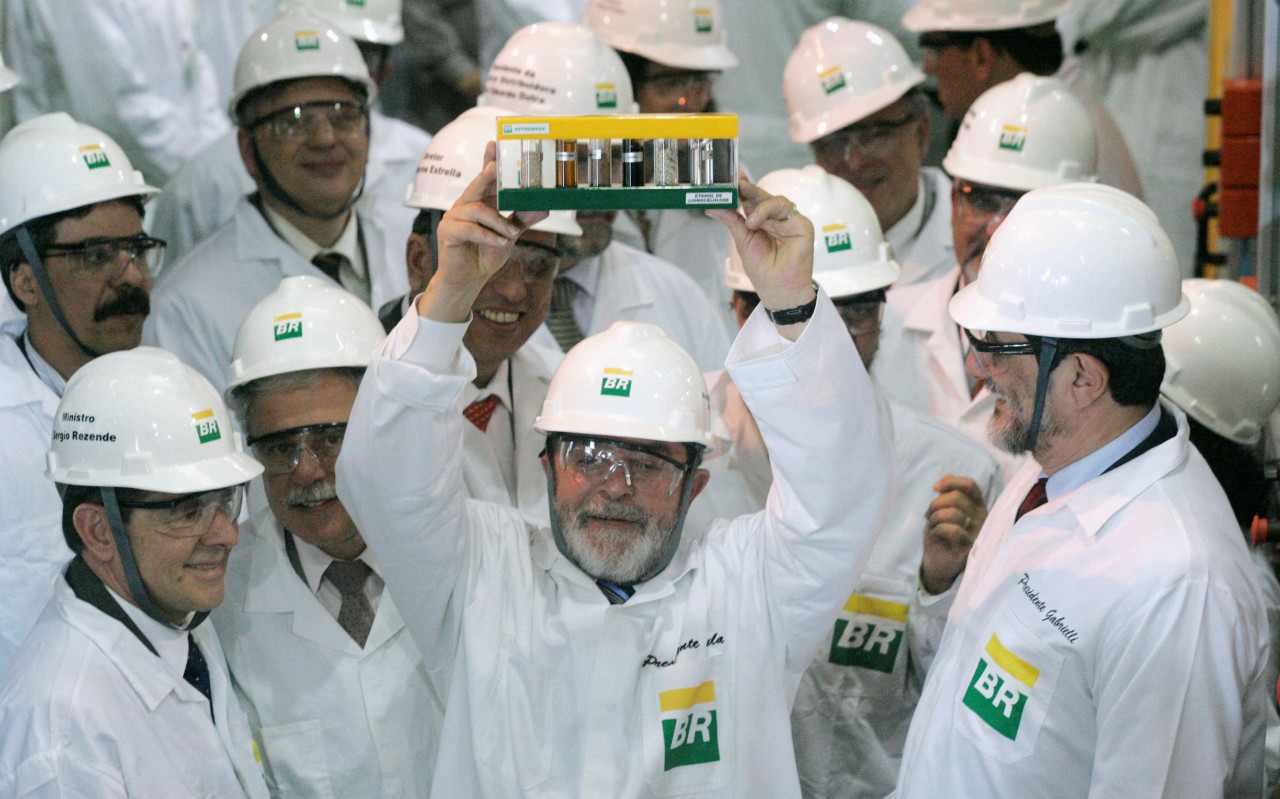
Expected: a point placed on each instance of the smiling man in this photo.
(301, 103)
(73, 256)
(120, 689)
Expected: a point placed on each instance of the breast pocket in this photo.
(295, 757)
(1002, 706)
(689, 725)
(512, 729)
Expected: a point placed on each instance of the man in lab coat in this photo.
(301, 104)
(74, 258)
(336, 692)
(120, 690)
(610, 654)
(855, 98)
(1108, 636)
(1019, 135)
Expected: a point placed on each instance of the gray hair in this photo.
(242, 397)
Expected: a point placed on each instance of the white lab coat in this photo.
(1110, 643)
(920, 364)
(1115, 163)
(331, 719)
(549, 694)
(922, 239)
(32, 549)
(692, 241)
(626, 283)
(87, 710)
(203, 195)
(134, 69)
(198, 304)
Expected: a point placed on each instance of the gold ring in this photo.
(790, 213)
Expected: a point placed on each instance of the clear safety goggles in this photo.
(107, 258)
(974, 202)
(991, 355)
(303, 121)
(676, 85)
(868, 139)
(863, 313)
(281, 452)
(192, 515)
(593, 461)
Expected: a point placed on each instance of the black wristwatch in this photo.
(796, 315)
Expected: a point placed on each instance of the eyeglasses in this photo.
(987, 350)
(537, 262)
(594, 461)
(280, 452)
(301, 122)
(973, 202)
(870, 139)
(192, 515)
(863, 314)
(680, 84)
(108, 258)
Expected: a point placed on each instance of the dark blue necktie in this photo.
(197, 672)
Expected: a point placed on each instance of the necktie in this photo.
(646, 226)
(1034, 498)
(616, 594)
(331, 264)
(355, 615)
(197, 671)
(481, 411)
(560, 318)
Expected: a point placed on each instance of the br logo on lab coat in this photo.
(1013, 138)
(868, 633)
(999, 688)
(836, 237)
(206, 426)
(287, 326)
(94, 156)
(831, 79)
(617, 382)
(689, 725)
(306, 40)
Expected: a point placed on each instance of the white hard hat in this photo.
(143, 419)
(1222, 363)
(843, 71)
(688, 34)
(561, 69)
(1080, 260)
(306, 323)
(1023, 134)
(8, 78)
(52, 163)
(297, 44)
(373, 21)
(454, 158)
(850, 255)
(630, 381)
(980, 15)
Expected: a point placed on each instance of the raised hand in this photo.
(953, 520)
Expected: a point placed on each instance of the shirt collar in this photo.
(498, 386)
(905, 230)
(348, 243)
(314, 562)
(170, 644)
(47, 374)
(1095, 463)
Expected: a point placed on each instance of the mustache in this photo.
(312, 494)
(129, 299)
(614, 509)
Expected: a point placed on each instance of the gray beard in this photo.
(625, 558)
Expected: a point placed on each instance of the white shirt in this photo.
(315, 562)
(353, 275)
(549, 694)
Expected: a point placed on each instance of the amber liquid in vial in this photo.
(632, 162)
(566, 163)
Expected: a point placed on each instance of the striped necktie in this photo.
(560, 318)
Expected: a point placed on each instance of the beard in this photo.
(620, 556)
(1013, 435)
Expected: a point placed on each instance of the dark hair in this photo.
(1135, 373)
(425, 223)
(1238, 469)
(75, 496)
(635, 65)
(42, 235)
(1036, 48)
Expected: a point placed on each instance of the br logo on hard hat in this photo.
(287, 325)
(206, 426)
(94, 156)
(831, 79)
(356, 3)
(306, 40)
(1013, 138)
(606, 95)
(999, 688)
(617, 382)
(702, 20)
(868, 633)
(689, 726)
(837, 237)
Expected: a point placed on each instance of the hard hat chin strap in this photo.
(277, 191)
(1048, 350)
(32, 258)
(141, 596)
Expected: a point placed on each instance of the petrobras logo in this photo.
(1013, 138)
(616, 382)
(206, 426)
(356, 3)
(306, 40)
(689, 726)
(999, 688)
(94, 156)
(836, 237)
(831, 79)
(702, 22)
(606, 95)
(287, 325)
(868, 633)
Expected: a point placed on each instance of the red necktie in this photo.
(1034, 498)
(481, 411)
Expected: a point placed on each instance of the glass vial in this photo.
(701, 162)
(666, 163)
(632, 162)
(599, 163)
(531, 163)
(566, 163)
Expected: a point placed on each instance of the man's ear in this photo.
(23, 280)
(923, 128)
(244, 141)
(700, 479)
(983, 57)
(95, 531)
(419, 261)
(1090, 379)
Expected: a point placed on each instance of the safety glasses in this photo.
(192, 515)
(974, 202)
(107, 258)
(593, 461)
(281, 452)
(301, 122)
(869, 139)
(862, 314)
(990, 353)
